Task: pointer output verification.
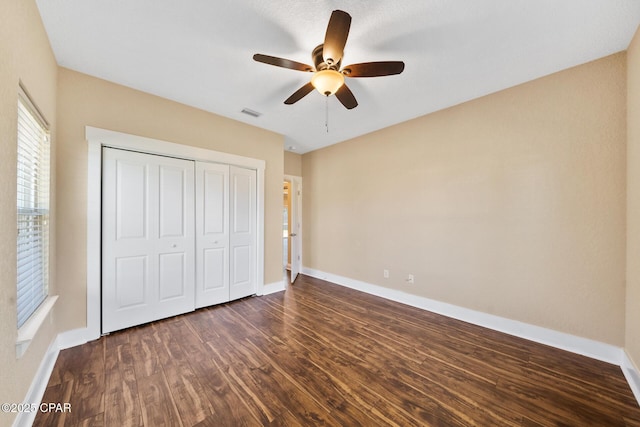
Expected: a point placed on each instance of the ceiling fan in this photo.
(328, 76)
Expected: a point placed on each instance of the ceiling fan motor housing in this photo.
(318, 60)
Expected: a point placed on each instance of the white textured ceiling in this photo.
(199, 52)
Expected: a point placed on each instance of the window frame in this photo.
(33, 220)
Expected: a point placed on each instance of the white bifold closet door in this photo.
(176, 235)
(225, 233)
(148, 235)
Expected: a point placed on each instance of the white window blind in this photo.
(33, 209)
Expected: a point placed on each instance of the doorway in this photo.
(292, 227)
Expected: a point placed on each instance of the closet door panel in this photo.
(241, 264)
(132, 192)
(173, 188)
(148, 257)
(131, 281)
(215, 264)
(242, 203)
(212, 234)
(243, 232)
(215, 182)
(173, 276)
(176, 233)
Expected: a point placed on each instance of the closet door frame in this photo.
(98, 138)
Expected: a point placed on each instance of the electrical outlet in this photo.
(385, 273)
(410, 279)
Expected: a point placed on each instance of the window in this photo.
(33, 209)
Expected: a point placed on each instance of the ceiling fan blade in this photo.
(345, 96)
(281, 62)
(299, 94)
(373, 69)
(336, 37)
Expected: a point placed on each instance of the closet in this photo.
(176, 235)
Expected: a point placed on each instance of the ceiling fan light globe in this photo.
(327, 82)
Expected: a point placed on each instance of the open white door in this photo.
(148, 238)
(294, 233)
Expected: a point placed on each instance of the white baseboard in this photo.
(586, 347)
(39, 384)
(273, 287)
(73, 338)
(632, 374)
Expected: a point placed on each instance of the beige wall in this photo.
(512, 204)
(25, 55)
(292, 164)
(88, 101)
(632, 341)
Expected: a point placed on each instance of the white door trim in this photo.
(96, 139)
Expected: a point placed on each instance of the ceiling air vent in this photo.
(250, 112)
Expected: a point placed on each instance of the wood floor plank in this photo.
(56, 393)
(87, 397)
(122, 403)
(228, 407)
(188, 394)
(93, 421)
(143, 351)
(156, 402)
(322, 354)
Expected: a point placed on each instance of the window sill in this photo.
(28, 331)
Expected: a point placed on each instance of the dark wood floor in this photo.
(321, 354)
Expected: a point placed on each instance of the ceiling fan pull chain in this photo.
(326, 113)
